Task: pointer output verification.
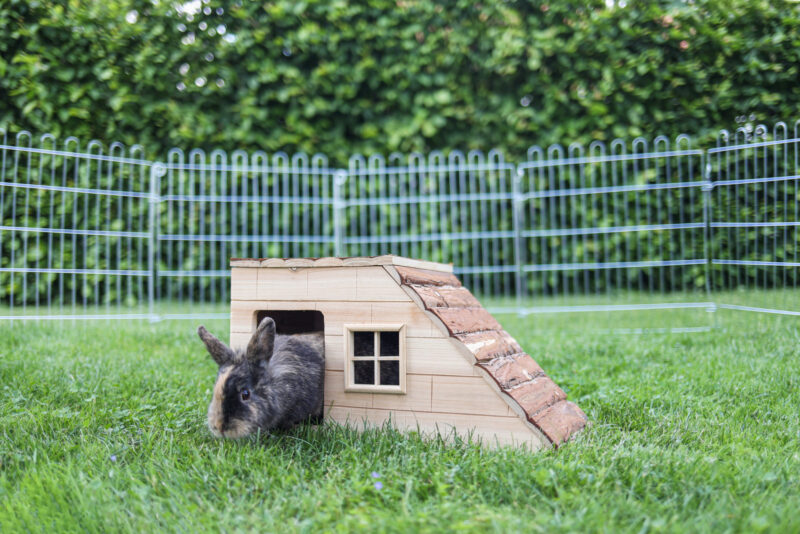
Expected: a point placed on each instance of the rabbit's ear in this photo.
(263, 341)
(218, 350)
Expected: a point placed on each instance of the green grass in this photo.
(102, 428)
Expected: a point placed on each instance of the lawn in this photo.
(102, 428)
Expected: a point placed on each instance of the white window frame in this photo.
(349, 358)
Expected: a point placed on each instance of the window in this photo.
(375, 358)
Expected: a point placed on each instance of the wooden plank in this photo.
(328, 262)
(289, 305)
(375, 284)
(273, 263)
(487, 346)
(560, 421)
(239, 340)
(332, 283)
(337, 314)
(334, 353)
(417, 323)
(244, 262)
(352, 417)
(436, 356)
(466, 395)
(416, 397)
(282, 284)
(537, 395)
(360, 261)
(422, 264)
(244, 283)
(491, 431)
(466, 320)
(243, 316)
(511, 371)
(423, 277)
(446, 297)
(335, 394)
(353, 261)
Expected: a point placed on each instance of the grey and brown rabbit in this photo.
(275, 383)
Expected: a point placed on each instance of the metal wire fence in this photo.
(95, 232)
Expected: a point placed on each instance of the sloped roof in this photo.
(520, 379)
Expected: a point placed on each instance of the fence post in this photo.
(338, 212)
(517, 223)
(708, 186)
(156, 172)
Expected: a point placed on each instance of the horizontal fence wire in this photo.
(755, 218)
(73, 228)
(88, 231)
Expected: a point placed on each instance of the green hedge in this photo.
(377, 77)
(400, 75)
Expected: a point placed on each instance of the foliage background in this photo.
(341, 77)
(379, 77)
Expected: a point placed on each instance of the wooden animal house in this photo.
(405, 342)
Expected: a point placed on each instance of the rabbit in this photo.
(273, 384)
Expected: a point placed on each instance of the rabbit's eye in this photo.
(245, 394)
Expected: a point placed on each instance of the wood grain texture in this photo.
(511, 371)
(337, 314)
(331, 283)
(424, 277)
(239, 340)
(244, 283)
(375, 284)
(417, 323)
(466, 320)
(282, 284)
(560, 421)
(417, 396)
(335, 394)
(436, 356)
(334, 353)
(536, 395)
(466, 395)
(243, 316)
(487, 346)
(490, 431)
(355, 261)
(446, 297)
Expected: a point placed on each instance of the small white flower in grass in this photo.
(113, 458)
(132, 16)
(378, 485)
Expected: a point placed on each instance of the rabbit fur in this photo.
(273, 384)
